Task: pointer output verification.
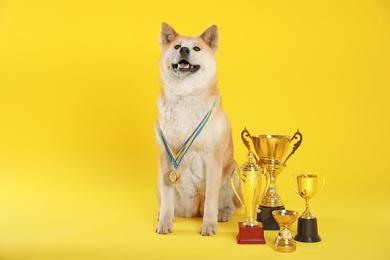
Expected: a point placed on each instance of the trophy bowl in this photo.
(271, 147)
(285, 242)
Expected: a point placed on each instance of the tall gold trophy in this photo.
(271, 150)
(250, 177)
(307, 186)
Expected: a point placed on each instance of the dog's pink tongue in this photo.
(184, 65)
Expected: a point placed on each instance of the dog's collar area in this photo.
(185, 66)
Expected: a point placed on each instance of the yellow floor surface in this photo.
(79, 215)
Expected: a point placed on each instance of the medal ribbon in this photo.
(175, 158)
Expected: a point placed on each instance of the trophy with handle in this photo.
(271, 150)
(307, 186)
(250, 177)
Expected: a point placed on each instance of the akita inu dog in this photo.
(194, 175)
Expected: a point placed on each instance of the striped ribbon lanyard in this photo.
(176, 158)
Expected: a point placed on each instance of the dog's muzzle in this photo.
(184, 66)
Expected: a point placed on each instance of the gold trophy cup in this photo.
(250, 177)
(271, 150)
(308, 186)
(284, 242)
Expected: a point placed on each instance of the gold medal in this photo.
(174, 176)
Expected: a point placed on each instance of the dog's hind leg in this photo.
(226, 205)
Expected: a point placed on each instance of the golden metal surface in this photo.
(285, 242)
(174, 176)
(250, 177)
(308, 186)
(271, 150)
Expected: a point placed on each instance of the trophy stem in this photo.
(271, 197)
(271, 201)
(307, 213)
(251, 222)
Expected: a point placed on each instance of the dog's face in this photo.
(188, 57)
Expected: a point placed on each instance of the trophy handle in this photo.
(234, 173)
(267, 182)
(296, 145)
(245, 133)
(323, 183)
(293, 182)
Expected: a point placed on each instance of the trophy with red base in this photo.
(250, 176)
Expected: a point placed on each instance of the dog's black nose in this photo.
(184, 50)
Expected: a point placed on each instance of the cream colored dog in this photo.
(200, 184)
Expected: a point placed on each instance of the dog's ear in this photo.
(211, 37)
(167, 34)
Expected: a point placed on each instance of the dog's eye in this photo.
(177, 46)
(196, 48)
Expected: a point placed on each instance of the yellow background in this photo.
(78, 89)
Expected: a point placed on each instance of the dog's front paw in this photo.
(209, 229)
(164, 227)
(225, 214)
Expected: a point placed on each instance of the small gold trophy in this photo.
(284, 242)
(250, 176)
(271, 150)
(307, 186)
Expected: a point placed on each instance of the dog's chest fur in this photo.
(179, 118)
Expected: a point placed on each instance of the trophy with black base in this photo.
(271, 150)
(307, 186)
